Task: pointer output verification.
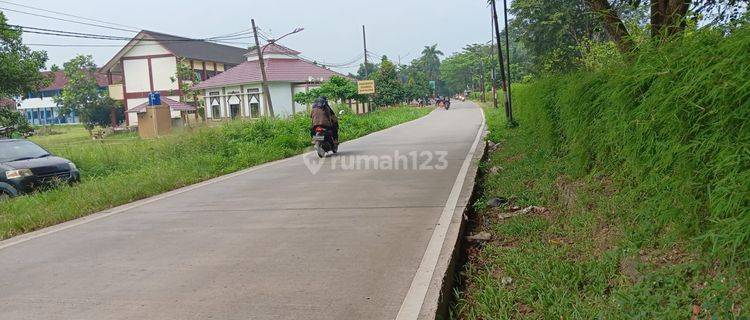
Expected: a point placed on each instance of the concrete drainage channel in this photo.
(440, 294)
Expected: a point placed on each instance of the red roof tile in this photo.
(5, 102)
(60, 80)
(272, 48)
(286, 70)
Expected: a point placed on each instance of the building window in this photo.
(255, 110)
(215, 112)
(234, 110)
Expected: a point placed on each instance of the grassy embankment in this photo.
(125, 168)
(645, 170)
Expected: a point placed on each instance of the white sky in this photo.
(332, 33)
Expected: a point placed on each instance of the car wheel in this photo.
(4, 196)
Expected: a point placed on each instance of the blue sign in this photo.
(154, 99)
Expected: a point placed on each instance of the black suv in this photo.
(25, 166)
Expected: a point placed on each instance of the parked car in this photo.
(25, 166)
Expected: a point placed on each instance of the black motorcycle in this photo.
(323, 141)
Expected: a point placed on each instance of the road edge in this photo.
(433, 302)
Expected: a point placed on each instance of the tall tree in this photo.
(667, 17)
(388, 89)
(431, 56)
(19, 66)
(82, 95)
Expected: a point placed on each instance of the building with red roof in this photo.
(40, 108)
(238, 91)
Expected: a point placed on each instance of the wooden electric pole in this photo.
(266, 92)
(507, 58)
(508, 110)
(481, 77)
(364, 42)
(492, 54)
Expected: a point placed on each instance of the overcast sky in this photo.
(333, 28)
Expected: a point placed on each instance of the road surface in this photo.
(272, 242)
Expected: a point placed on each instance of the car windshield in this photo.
(20, 150)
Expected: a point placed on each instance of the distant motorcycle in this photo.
(323, 141)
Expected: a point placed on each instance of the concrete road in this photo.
(273, 242)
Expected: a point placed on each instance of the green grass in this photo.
(646, 171)
(124, 169)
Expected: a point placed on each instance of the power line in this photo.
(67, 20)
(70, 34)
(66, 14)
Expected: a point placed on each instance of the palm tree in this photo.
(431, 57)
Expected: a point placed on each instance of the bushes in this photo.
(672, 127)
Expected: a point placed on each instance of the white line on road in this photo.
(414, 299)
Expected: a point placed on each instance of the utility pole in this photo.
(507, 57)
(508, 110)
(266, 93)
(492, 54)
(364, 42)
(481, 77)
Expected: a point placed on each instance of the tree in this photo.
(337, 88)
(13, 123)
(19, 66)
(187, 79)
(431, 56)
(371, 69)
(388, 89)
(82, 95)
(667, 17)
(417, 83)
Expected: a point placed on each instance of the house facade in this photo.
(148, 63)
(40, 108)
(238, 92)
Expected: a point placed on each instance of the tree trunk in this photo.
(612, 24)
(668, 17)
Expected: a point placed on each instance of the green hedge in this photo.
(672, 126)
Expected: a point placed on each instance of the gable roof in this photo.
(272, 48)
(184, 48)
(199, 49)
(285, 70)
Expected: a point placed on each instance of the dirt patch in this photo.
(629, 268)
(515, 158)
(605, 237)
(567, 191)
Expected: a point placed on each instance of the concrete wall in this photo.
(164, 70)
(136, 76)
(281, 97)
(146, 48)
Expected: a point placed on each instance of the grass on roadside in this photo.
(580, 259)
(115, 173)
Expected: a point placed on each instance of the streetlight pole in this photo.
(266, 93)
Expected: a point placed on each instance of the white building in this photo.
(148, 63)
(238, 91)
(40, 108)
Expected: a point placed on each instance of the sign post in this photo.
(366, 87)
(154, 99)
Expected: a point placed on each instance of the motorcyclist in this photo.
(323, 116)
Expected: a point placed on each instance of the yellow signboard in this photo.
(366, 87)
